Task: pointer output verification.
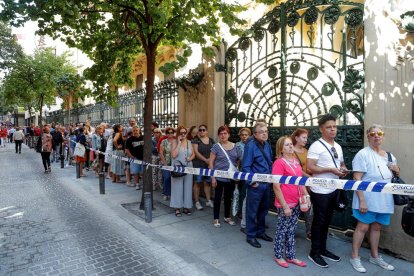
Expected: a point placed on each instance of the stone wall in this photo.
(389, 98)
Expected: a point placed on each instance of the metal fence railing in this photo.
(129, 105)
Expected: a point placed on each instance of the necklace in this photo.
(292, 162)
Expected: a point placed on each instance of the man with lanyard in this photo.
(325, 160)
(257, 158)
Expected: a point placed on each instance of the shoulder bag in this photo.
(181, 166)
(232, 168)
(79, 150)
(236, 193)
(407, 219)
(398, 199)
(341, 198)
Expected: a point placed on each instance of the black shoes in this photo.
(254, 243)
(317, 260)
(330, 256)
(243, 230)
(265, 237)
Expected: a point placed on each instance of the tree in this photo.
(112, 32)
(70, 87)
(10, 50)
(32, 81)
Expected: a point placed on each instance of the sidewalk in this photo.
(225, 248)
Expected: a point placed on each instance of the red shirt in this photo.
(3, 133)
(290, 192)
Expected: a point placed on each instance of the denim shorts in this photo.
(135, 168)
(371, 217)
(202, 178)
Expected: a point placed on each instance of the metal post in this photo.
(62, 161)
(148, 207)
(77, 170)
(101, 183)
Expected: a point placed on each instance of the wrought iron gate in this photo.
(301, 60)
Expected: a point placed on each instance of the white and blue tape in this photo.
(367, 186)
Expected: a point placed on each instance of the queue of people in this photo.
(252, 154)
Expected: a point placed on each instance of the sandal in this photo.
(229, 221)
(216, 223)
(178, 213)
(187, 212)
(281, 262)
(296, 262)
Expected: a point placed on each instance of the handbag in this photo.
(341, 199)
(398, 199)
(178, 174)
(232, 168)
(235, 202)
(180, 166)
(79, 150)
(304, 204)
(407, 219)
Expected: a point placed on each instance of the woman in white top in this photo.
(372, 209)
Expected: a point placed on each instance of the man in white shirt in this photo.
(325, 160)
(18, 137)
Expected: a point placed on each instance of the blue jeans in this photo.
(257, 206)
(166, 178)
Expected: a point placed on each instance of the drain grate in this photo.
(160, 209)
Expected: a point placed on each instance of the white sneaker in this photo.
(210, 204)
(380, 262)
(198, 206)
(356, 263)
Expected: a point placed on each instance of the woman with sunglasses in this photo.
(181, 187)
(372, 210)
(224, 156)
(202, 145)
(165, 156)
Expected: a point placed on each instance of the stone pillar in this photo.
(389, 98)
(205, 103)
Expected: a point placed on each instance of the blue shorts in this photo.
(135, 168)
(371, 217)
(202, 178)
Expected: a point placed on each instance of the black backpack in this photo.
(407, 219)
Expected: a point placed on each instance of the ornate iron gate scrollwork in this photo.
(301, 60)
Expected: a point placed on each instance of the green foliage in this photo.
(71, 84)
(32, 81)
(10, 50)
(111, 33)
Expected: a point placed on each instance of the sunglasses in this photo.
(202, 129)
(183, 133)
(379, 133)
(334, 152)
(170, 132)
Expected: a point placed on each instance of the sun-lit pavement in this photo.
(55, 224)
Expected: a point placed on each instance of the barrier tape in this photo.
(352, 185)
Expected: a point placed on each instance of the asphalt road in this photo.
(48, 227)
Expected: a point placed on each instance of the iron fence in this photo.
(128, 105)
